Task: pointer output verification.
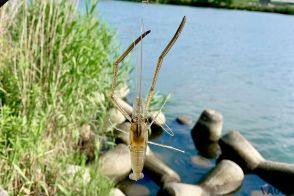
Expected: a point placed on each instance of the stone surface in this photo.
(125, 106)
(280, 175)
(3, 192)
(115, 116)
(201, 161)
(207, 149)
(116, 192)
(208, 126)
(238, 149)
(72, 170)
(123, 137)
(116, 163)
(181, 189)
(122, 92)
(158, 170)
(160, 119)
(225, 178)
(184, 120)
(130, 188)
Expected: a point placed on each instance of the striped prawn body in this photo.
(138, 137)
(138, 144)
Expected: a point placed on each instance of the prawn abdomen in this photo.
(137, 162)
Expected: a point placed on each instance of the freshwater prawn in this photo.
(138, 134)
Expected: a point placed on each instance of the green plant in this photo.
(55, 76)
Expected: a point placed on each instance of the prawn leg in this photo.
(115, 72)
(160, 60)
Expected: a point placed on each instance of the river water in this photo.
(237, 62)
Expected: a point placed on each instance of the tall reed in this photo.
(55, 75)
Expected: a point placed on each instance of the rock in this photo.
(207, 149)
(184, 120)
(122, 137)
(87, 143)
(132, 189)
(201, 161)
(238, 149)
(208, 126)
(125, 106)
(158, 170)
(160, 119)
(280, 175)
(116, 163)
(179, 189)
(116, 192)
(72, 170)
(3, 192)
(225, 178)
(115, 116)
(122, 92)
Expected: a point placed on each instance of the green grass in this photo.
(55, 75)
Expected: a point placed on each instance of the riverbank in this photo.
(281, 8)
(55, 69)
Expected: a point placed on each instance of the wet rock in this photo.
(132, 189)
(200, 161)
(158, 170)
(238, 149)
(179, 189)
(280, 175)
(160, 119)
(122, 137)
(116, 116)
(115, 163)
(3, 192)
(116, 192)
(88, 143)
(184, 120)
(73, 170)
(122, 92)
(225, 178)
(207, 149)
(125, 106)
(208, 126)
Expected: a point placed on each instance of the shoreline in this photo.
(278, 8)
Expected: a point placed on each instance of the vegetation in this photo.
(55, 75)
(251, 5)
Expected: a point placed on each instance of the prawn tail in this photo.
(135, 177)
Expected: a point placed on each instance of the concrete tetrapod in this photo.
(116, 163)
(280, 175)
(238, 149)
(130, 188)
(158, 170)
(225, 178)
(208, 127)
(116, 192)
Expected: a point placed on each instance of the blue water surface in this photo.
(238, 62)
